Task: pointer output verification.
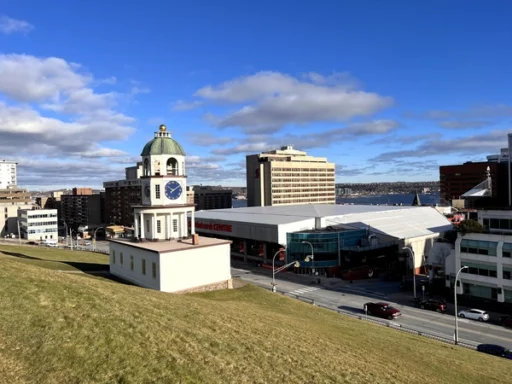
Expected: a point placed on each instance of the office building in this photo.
(8, 177)
(83, 209)
(121, 195)
(11, 200)
(211, 197)
(288, 177)
(38, 224)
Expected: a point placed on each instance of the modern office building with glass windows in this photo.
(489, 262)
(341, 237)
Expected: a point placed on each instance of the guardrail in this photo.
(376, 321)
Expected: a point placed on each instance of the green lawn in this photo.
(55, 258)
(64, 328)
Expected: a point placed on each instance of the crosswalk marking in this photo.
(304, 290)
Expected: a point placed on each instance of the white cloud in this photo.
(272, 100)
(50, 110)
(9, 25)
(485, 144)
(206, 139)
(320, 139)
(181, 105)
(464, 124)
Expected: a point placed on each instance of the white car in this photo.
(474, 314)
(87, 243)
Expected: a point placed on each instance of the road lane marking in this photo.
(304, 290)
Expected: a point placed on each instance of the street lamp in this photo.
(66, 232)
(411, 252)
(455, 301)
(312, 256)
(295, 263)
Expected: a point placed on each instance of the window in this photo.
(143, 266)
(507, 250)
(154, 270)
(486, 223)
(157, 191)
(158, 226)
(507, 273)
(480, 269)
(131, 262)
(479, 247)
(113, 256)
(121, 258)
(175, 225)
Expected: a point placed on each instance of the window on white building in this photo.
(157, 191)
(154, 270)
(158, 226)
(175, 225)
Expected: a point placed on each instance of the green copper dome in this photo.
(162, 144)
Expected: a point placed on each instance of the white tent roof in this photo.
(396, 221)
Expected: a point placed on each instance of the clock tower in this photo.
(164, 209)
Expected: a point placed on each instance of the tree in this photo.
(470, 226)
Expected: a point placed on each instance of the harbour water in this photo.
(405, 199)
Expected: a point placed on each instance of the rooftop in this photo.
(171, 246)
(397, 221)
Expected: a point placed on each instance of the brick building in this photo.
(455, 180)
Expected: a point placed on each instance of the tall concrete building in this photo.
(83, 209)
(120, 195)
(11, 200)
(211, 197)
(288, 176)
(8, 176)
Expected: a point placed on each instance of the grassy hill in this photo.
(66, 328)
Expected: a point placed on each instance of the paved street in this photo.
(352, 299)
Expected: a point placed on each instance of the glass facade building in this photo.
(327, 246)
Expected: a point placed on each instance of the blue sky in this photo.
(386, 90)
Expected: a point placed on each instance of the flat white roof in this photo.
(397, 221)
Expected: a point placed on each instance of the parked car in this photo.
(434, 305)
(32, 243)
(87, 243)
(506, 321)
(474, 314)
(495, 350)
(382, 310)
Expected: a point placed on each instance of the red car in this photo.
(382, 310)
(506, 321)
(434, 305)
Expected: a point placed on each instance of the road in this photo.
(470, 331)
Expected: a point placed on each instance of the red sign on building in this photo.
(214, 227)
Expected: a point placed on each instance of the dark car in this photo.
(506, 321)
(382, 310)
(434, 305)
(495, 350)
